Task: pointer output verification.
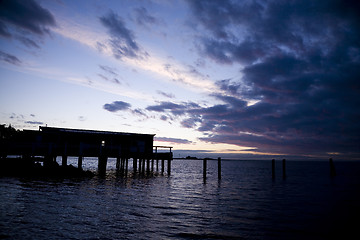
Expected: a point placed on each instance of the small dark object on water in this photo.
(332, 168)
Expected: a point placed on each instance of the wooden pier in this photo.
(48, 143)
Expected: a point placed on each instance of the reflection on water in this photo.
(245, 204)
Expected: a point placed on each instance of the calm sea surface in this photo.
(246, 204)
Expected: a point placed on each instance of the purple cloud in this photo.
(117, 106)
(122, 39)
(9, 58)
(172, 140)
(38, 19)
(297, 61)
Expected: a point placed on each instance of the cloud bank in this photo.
(300, 64)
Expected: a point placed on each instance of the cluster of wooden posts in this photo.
(205, 168)
(331, 162)
(140, 166)
(283, 168)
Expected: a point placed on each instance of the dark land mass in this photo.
(32, 167)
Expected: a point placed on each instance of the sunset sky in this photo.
(241, 79)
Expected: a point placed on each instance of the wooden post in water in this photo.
(64, 161)
(152, 165)
(332, 168)
(80, 160)
(126, 166)
(140, 162)
(219, 168)
(134, 164)
(169, 166)
(284, 168)
(204, 169)
(162, 166)
(102, 162)
(273, 168)
(157, 165)
(118, 163)
(143, 166)
(147, 166)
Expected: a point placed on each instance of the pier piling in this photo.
(147, 166)
(162, 166)
(102, 162)
(219, 168)
(64, 161)
(126, 166)
(80, 160)
(134, 164)
(169, 167)
(273, 168)
(118, 163)
(204, 169)
(143, 166)
(332, 168)
(284, 168)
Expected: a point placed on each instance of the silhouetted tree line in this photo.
(8, 132)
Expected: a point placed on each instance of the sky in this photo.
(237, 79)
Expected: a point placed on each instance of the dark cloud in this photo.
(299, 59)
(168, 95)
(109, 70)
(122, 38)
(9, 58)
(117, 106)
(82, 118)
(34, 122)
(172, 140)
(142, 17)
(139, 112)
(25, 15)
(28, 42)
(174, 108)
(163, 106)
(111, 74)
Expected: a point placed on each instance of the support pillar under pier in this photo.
(102, 162)
(134, 164)
(148, 166)
(162, 166)
(117, 163)
(64, 161)
(126, 166)
(80, 160)
(169, 166)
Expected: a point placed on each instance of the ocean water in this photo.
(245, 204)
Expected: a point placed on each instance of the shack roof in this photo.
(83, 131)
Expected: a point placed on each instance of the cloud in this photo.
(172, 140)
(9, 58)
(117, 106)
(142, 17)
(109, 70)
(299, 60)
(122, 39)
(34, 122)
(25, 15)
(111, 74)
(174, 108)
(82, 118)
(168, 95)
(25, 21)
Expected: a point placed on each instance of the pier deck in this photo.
(50, 142)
